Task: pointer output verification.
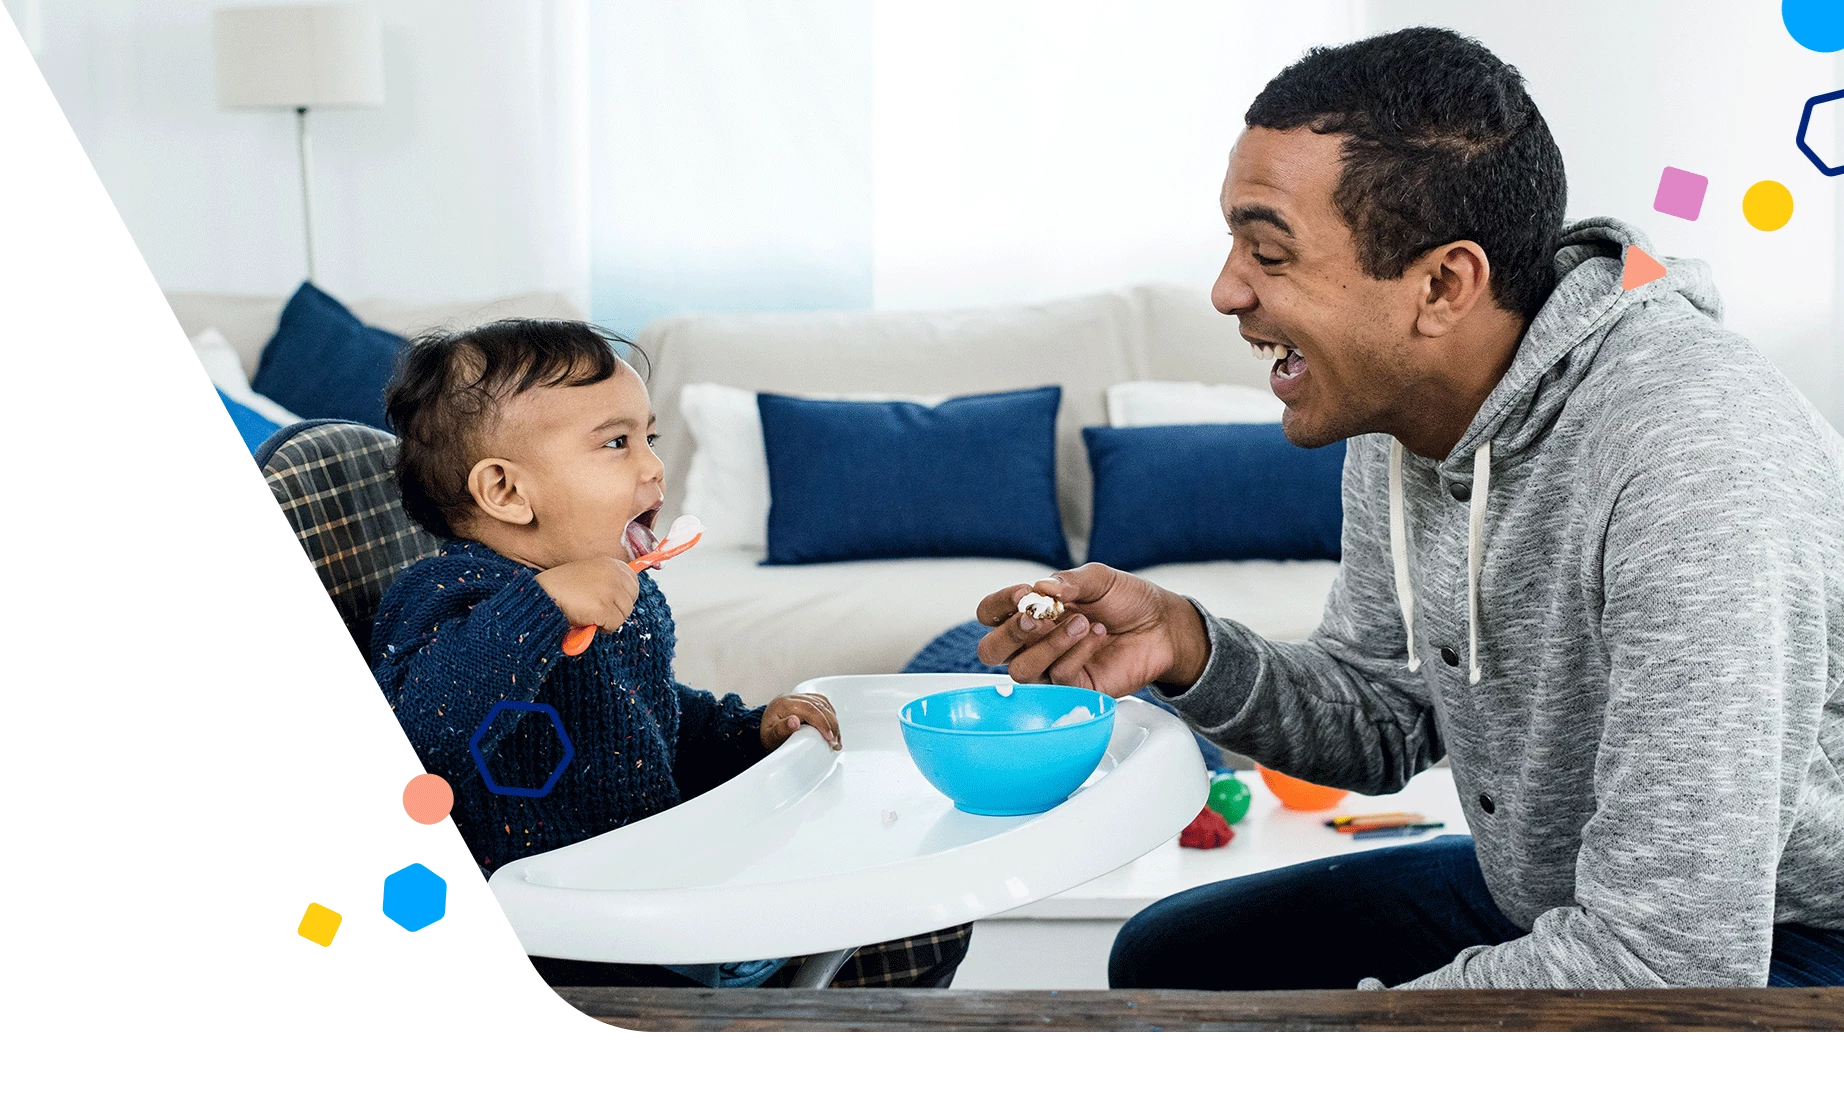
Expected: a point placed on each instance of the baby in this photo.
(527, 446)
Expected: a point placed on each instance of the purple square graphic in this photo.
(1680, 193)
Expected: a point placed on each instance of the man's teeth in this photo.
(1270, 352)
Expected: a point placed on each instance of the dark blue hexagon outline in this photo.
(473, 747)
(1805, 121)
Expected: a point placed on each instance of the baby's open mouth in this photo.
(639, 536)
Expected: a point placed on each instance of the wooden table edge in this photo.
(1686, 1009)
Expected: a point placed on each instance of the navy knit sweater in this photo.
(465, 629)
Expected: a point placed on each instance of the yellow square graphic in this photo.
(319, 924)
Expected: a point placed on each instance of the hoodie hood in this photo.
(1553, 359)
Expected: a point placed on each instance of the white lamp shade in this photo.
(314, 56)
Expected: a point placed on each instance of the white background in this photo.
(651, 156)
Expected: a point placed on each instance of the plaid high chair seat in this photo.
(332, 480)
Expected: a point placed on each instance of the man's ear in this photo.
(1453, 279)
(495, 485)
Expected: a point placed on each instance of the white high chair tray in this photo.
(813, 850)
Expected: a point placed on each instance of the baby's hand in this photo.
(785, 715)
(599, 591)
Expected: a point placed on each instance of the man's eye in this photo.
(1263, 260)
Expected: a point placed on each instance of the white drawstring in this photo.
(1399, 548)
(1475, 552)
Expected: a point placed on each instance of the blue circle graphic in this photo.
(1815, 24)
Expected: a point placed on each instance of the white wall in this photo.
(471, 181)
(735, 154)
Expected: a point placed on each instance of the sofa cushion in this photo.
(759, 629)
(1188, 493)
(973, 476)
(325, 362)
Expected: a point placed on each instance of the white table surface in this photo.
(1269, 837)
(813, 851)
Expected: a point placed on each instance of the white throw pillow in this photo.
(726, 486)
(220, 361)
(1133, 405)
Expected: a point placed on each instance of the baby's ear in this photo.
(494, 483)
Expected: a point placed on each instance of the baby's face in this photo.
(586, 463)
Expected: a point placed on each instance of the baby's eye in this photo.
(617, 443)
(652, 439)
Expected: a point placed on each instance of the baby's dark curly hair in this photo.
(448, 388)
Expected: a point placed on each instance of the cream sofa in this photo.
(759, 630)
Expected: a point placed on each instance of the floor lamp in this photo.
(300, 57)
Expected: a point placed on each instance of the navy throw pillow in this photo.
(1173, 494)
(325, 362)
(973, 476)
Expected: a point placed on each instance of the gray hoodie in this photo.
(1618, 606)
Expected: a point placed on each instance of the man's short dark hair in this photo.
(1441, 143)
(448, 388)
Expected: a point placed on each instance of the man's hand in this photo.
(1118, 633)
(785, 715)
(599, 591)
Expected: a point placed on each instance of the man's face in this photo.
(1293, 280)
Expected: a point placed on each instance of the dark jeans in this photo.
(1393, 914)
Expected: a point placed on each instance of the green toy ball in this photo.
(1229, 797)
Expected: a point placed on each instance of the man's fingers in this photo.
(1071, 669)
(1032, 664)
(995, 608)
(1011, 638)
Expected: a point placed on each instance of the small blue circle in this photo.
(1815, 24)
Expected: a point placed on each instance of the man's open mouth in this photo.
(1289, 364)
(639, 536)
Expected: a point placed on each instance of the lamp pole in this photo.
(306, 148)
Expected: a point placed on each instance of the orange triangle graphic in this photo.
(1640, 269)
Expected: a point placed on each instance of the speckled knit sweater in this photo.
(466, 629)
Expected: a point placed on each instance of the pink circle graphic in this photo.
(428, 798)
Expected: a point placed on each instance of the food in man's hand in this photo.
(1042, 607)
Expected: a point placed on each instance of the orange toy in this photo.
(1298, 795)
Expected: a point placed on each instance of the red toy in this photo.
(1207, 831)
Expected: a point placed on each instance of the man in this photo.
(1593, 552)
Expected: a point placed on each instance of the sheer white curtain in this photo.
(903, 154)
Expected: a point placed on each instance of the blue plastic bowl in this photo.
(996, 754)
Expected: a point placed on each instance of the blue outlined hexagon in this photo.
(414, 897)
(1805, 124)
(486, 777)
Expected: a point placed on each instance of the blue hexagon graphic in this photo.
(1805, 124)
(414, 897)
(486, 776)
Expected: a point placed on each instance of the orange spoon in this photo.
(684, 533)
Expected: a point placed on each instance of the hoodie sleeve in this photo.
(1713, 587)
(1340, 708)
(718, 738)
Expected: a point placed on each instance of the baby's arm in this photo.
(447, 649)
(718, 738)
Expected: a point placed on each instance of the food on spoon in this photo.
(1042, 607)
